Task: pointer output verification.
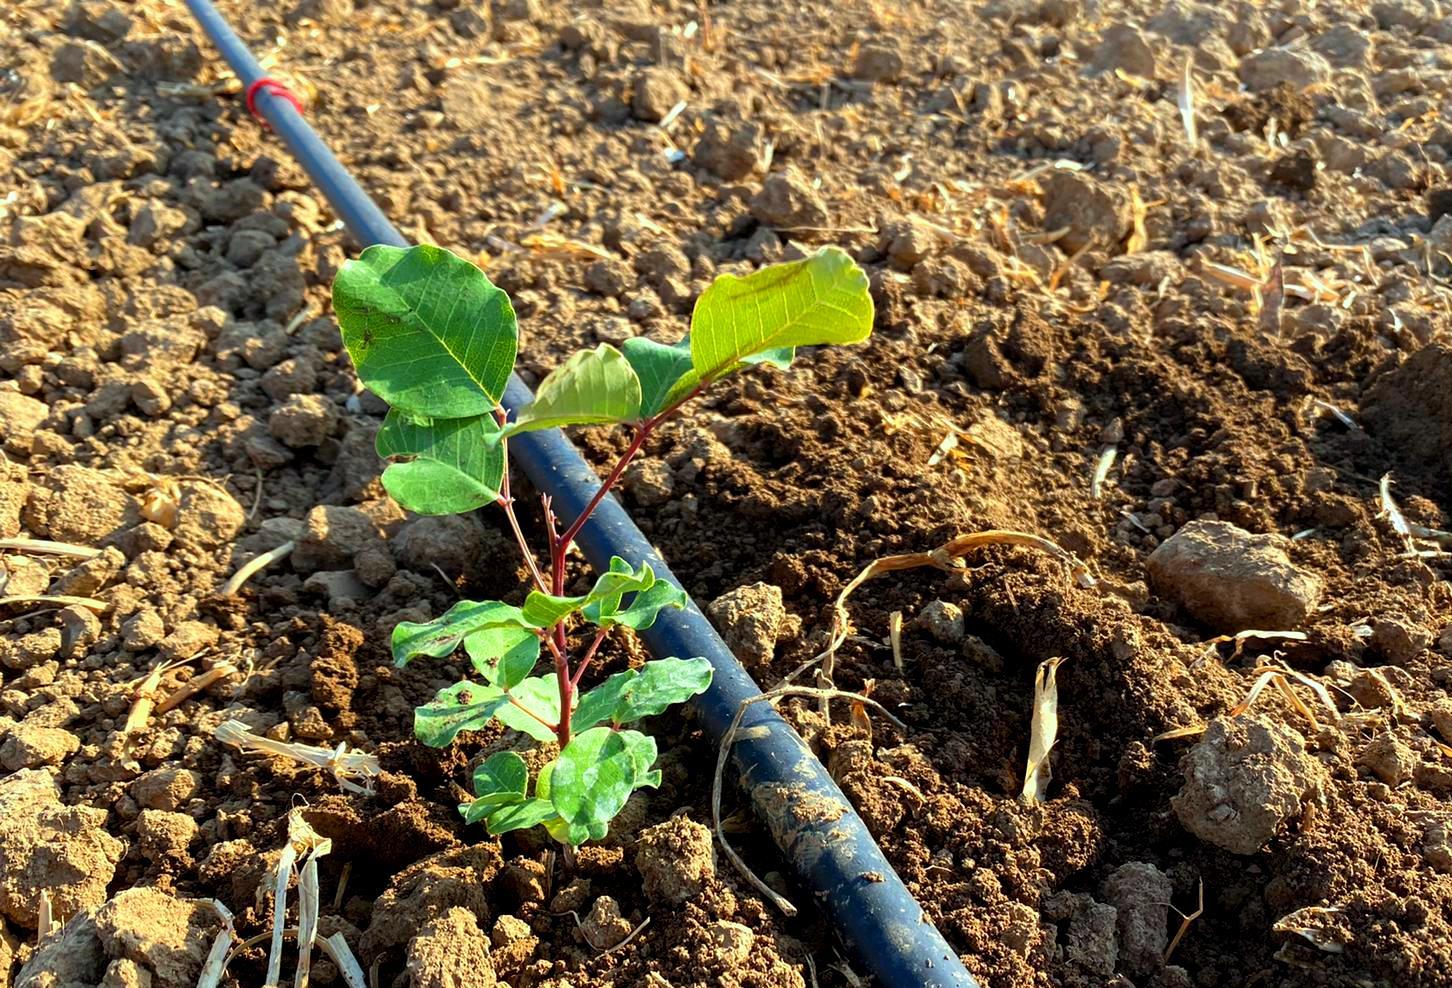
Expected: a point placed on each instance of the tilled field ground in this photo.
(1182, 336)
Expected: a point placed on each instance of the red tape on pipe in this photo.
(271, 86)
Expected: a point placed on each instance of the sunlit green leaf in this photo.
(444, 634)
(662, 684)
(642, 750)
(504, 655)
(593, 386)
(642, 610)
(819, 299)
(500, 780)
(462, 707)
(635, 693)
(456, 465)
(542, 610)
(521, 816)
(592, 779)
(427, 331)
(659, 367)
(534, 705)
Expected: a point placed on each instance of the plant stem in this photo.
(589, 654)
(507, 503)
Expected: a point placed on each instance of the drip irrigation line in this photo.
(829, 848)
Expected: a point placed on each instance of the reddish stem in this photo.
(589, 654)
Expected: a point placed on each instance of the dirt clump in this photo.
(1244, 780)
(1231, 579)
(450, 951)
(751, 620)
(675, 860)
(166, 935)
(47, 845)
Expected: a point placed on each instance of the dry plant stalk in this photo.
(1102, 467)
(1279, 675)
(1187, 101)
(1043, 731)
(943, 558)
(344, 764)
(253, 565)
(1303, 923)
(219, 672)
(47, 547)
(216, 962)
(1185, 921)
(90, 603)
(894, 634)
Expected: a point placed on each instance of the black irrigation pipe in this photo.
(816, 828)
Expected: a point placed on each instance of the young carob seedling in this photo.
(436, 340)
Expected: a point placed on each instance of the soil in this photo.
(1059, 271)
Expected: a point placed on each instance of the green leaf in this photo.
(504, 655)
(427, 331)
(543, 610)
(521, 816)
(661, 684)
(592, 779)
(635, 693)
(464, 706)
(658, 367)
(755, 319)
(642, 610)
(457, 464)
(593, 386)
(442, 635)
(642, 755)
(500, 780)
(502, 773)
(599, 705)
(539, 696)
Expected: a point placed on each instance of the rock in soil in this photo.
(450, 952)
(1092, 211)
(1244, 780)
(1140, 894)
(166, 935)
(1231, 579)
(787, 201)
(675, 860)
(47, 845)
(751, 619)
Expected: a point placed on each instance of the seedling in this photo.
(431, 336)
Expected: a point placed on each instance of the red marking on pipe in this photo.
(271, 86)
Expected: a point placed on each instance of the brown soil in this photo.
(172, 385)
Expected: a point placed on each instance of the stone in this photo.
(71, 958)
(878, 62)
(20, 415)
(303, 420)
(167, 935)
(1398, 639)
(676, 860)
(450, 952)
(1093, 211)
(942, 620)
(80, 629)
(32, 649)
(1125, 47)
(1140, 895)
(1231, 579)
(332, 536)
(207, 516)
(657, 91)
(165, 835)
(455, 544)
(648, 482)
(167, 788)
(1298, 68)
(603, 926)
(1244, 779)
(47, 845)
(79, 505)
(788, 201)
(729, 150)
(29, 746)
(751, 619)
(1389, 758)
(188, 639)
(142, 630)
(90, 576)
(730, 942)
